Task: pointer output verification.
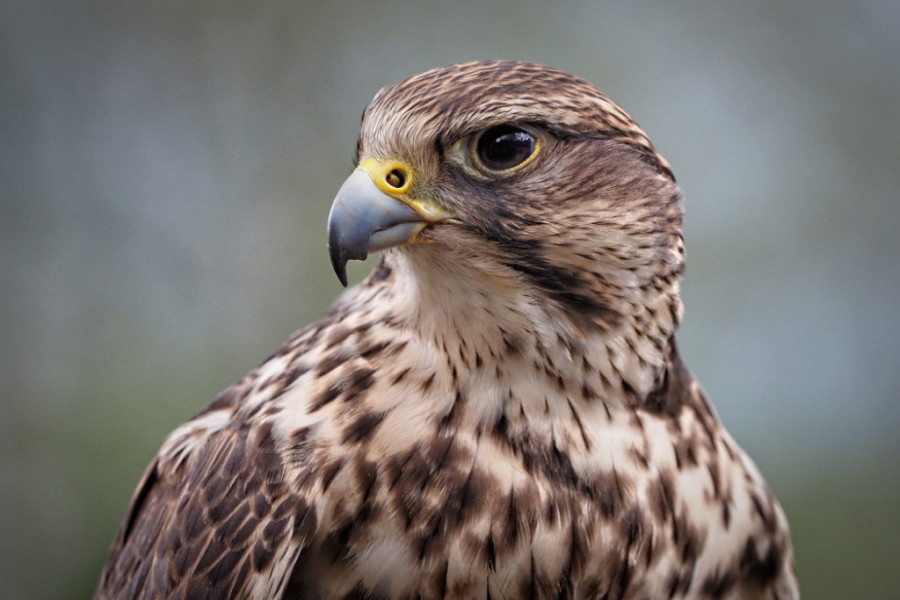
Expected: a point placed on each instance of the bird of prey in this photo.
(499, 410)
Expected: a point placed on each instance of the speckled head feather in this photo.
(499, 410)
(449, 103)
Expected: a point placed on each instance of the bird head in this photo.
(522, 175)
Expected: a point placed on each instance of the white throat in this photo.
(483, 317)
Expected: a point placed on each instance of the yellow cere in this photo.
(395, 178)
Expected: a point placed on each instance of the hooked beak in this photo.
(372, 211)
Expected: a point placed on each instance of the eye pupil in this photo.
(504, 147)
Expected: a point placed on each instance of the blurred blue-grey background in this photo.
(166, 170)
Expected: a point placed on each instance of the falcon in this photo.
(499, 410)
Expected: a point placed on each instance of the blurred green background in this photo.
(166, 170)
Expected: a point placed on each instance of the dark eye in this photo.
(504, 147)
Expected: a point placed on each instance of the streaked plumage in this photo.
(498, 411)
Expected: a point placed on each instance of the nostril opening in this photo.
(396, 178)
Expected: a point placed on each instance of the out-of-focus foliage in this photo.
(166, 170)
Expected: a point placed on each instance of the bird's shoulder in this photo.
(218, 512)
(725, 533)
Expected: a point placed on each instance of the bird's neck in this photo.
(483, 323)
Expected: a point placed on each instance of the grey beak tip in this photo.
(341, 253)
(340, 268)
